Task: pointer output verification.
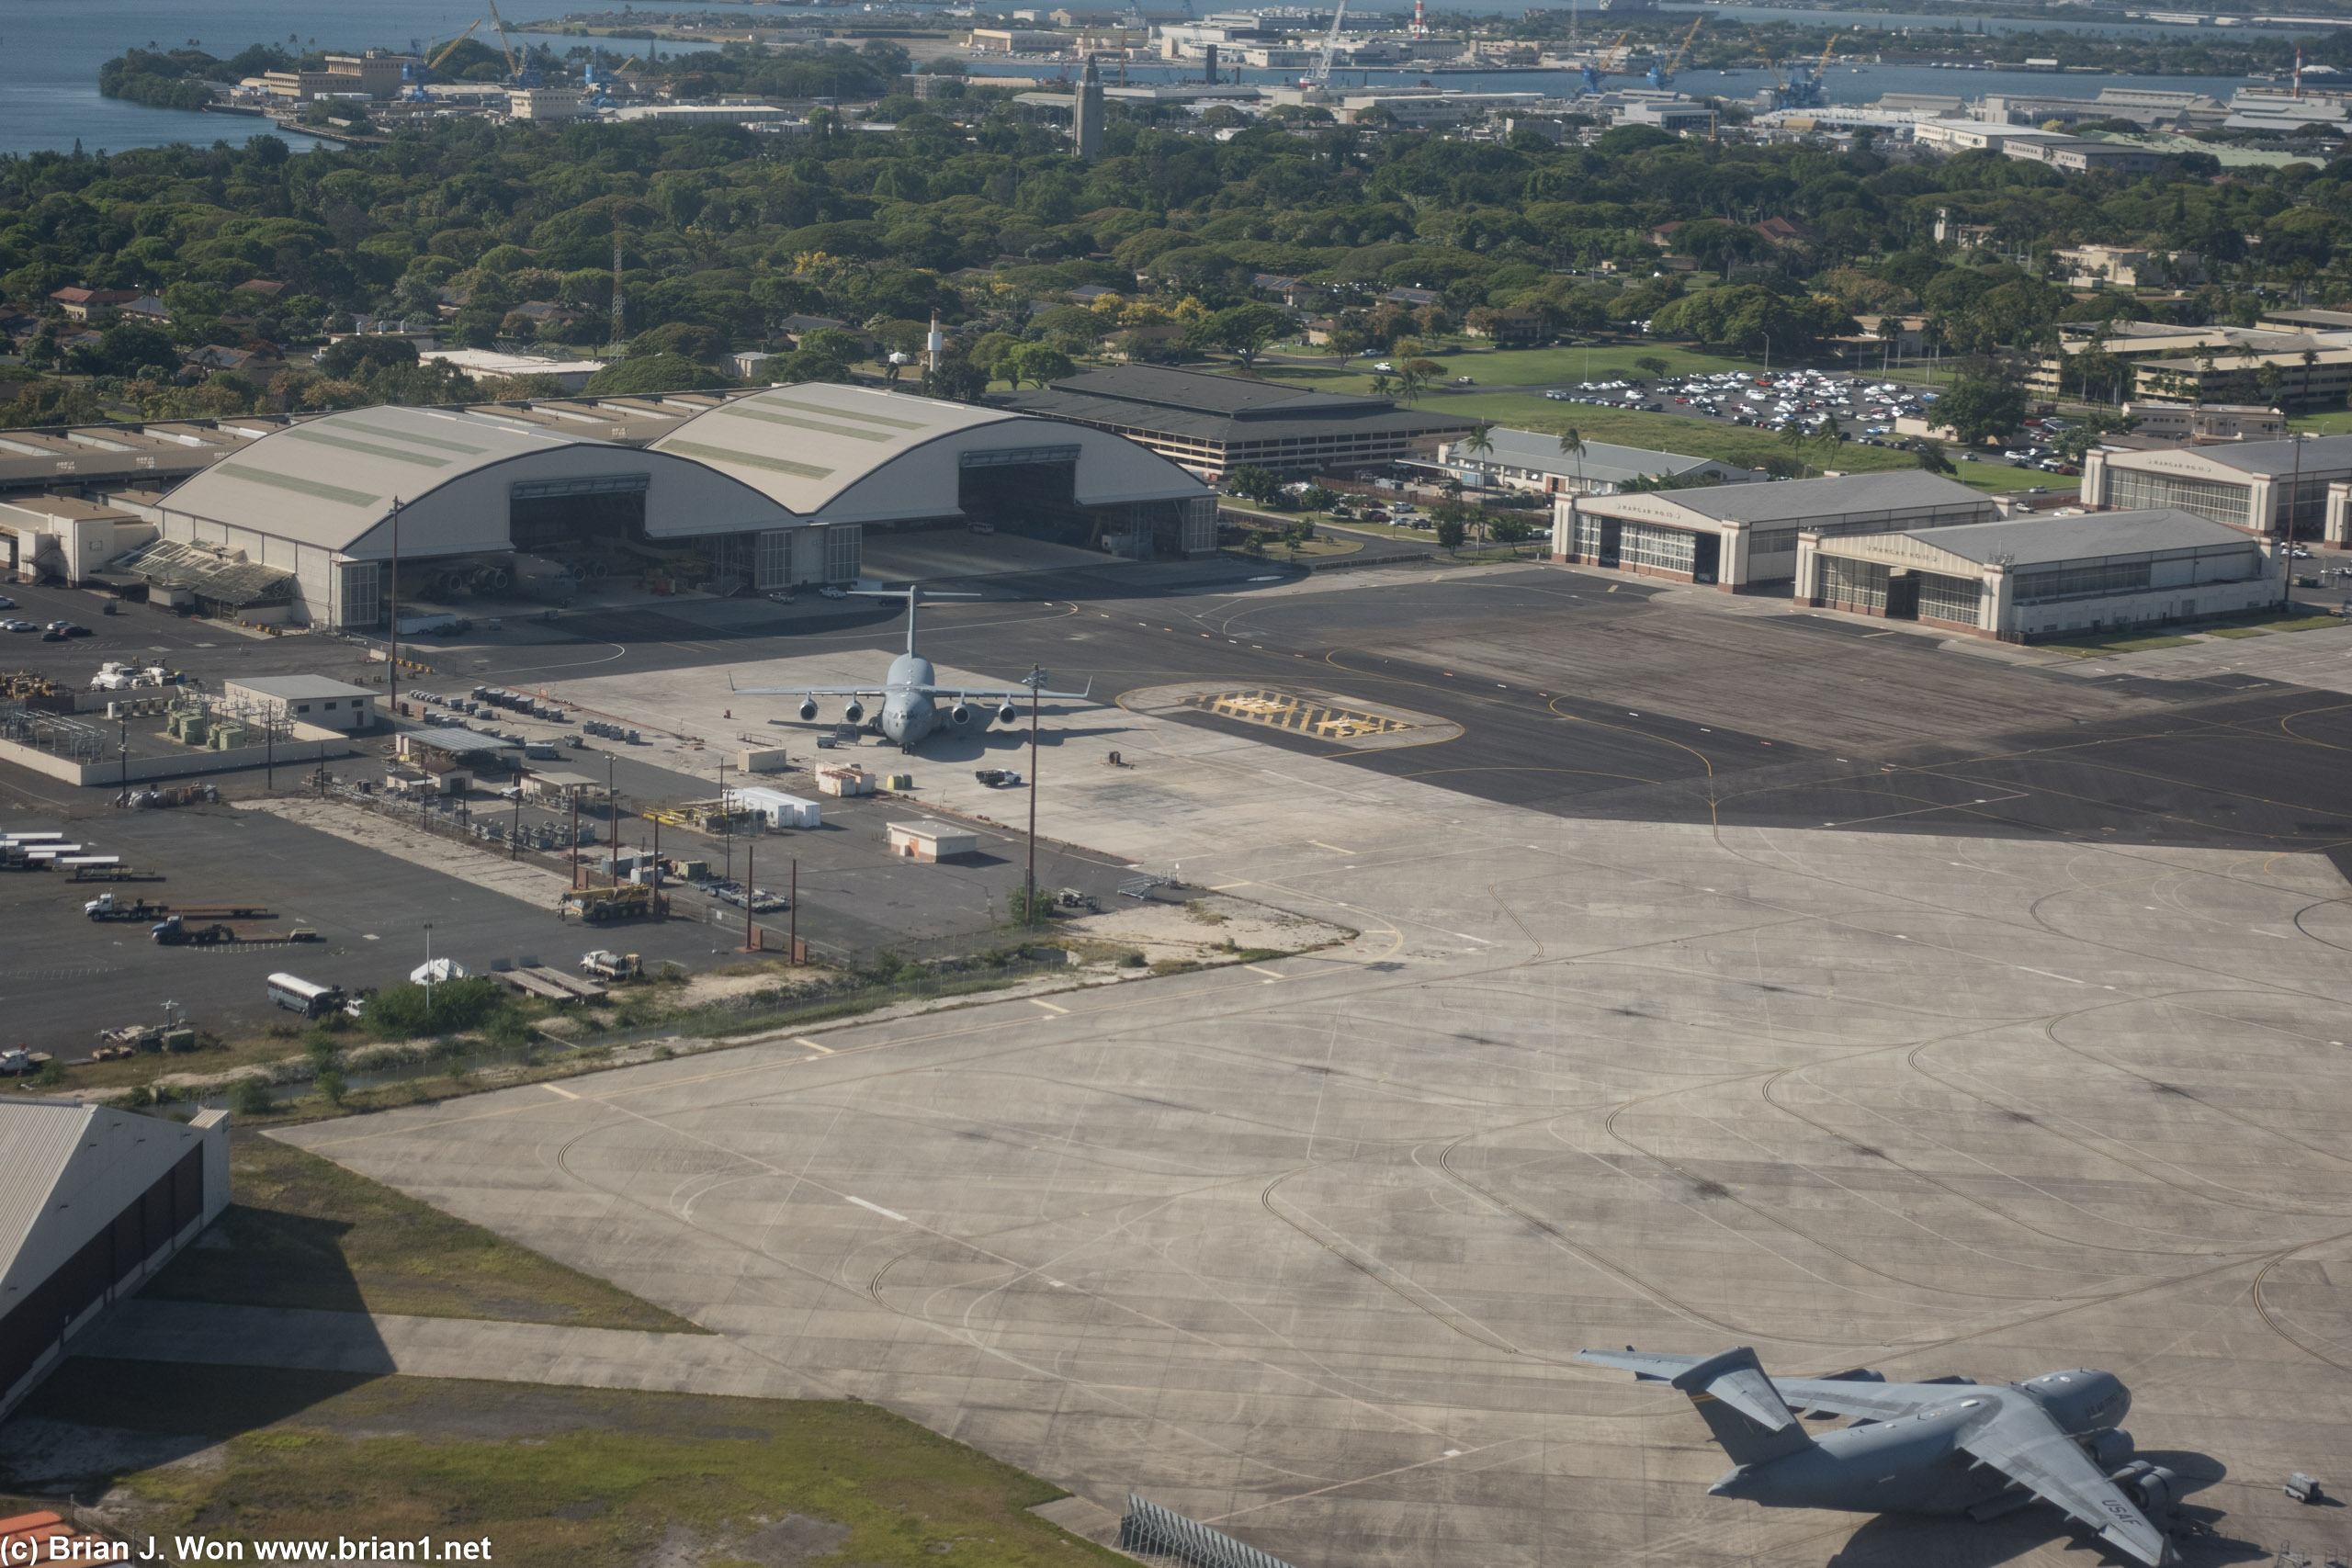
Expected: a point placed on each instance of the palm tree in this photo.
(1572, 445)
(1480, 442)
(1794, 438)
(1830, 435)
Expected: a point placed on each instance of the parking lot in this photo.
(1858, 408)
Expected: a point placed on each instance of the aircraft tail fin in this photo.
(1749, 1419)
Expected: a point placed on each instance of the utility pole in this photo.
(612, 809)
(1037, 679)
(575, 837)
(792, 937)
(620, 331)
(750, 893)
(428, 968)
(392, 663)
(514, 834)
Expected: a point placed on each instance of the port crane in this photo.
(515, 72)
(416, 88)
(1662, 74)
(1320, 76)
(1607, 61)
(1779, 83)
(1805, 88)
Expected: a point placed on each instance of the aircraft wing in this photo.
(1017, 694)
(1879, 1401)
(806, 690)
(2023, 1443)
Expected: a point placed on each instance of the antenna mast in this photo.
(619, 332)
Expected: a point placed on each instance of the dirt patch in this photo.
(1212, 928)
(44, 1456)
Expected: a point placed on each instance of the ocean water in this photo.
(50, 52)
(52, 49)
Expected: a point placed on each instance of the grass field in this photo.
(2121, 642)
(1524, 366)
(303, 1232)
(553, 1477)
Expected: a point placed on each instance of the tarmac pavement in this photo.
(1303, 1248)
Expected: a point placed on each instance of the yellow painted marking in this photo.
(804, 1040)
(1333, 848)
(564, 1092)
(1269, 972)
(1303, 716)
(1036, 1002)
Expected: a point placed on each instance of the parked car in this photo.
(7, 603)
(829, 591)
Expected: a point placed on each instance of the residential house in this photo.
(92, 304)
(1514, 326)
(1780, 232)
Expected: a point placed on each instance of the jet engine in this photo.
(959, 714)
(807, 708)
(1007, 714)
(2110, 1449)
(2154, 1488)
(854, 712)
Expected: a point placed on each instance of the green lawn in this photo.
(303, 1232)
(2097, 646)
(1525, 367)
(554, 1477)
(2327, 422)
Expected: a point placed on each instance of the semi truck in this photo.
(598, 905)
(108, 907)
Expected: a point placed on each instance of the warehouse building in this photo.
(1532, 460)
(1738, 536)
(2261, 487)
(92, 1202)
(1214, 424)
(847, 458)
(2016, 580)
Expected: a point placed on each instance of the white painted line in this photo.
(1333, 848)
(1039, 1002)
(1229, 886)
(804, 1040)
(886, 1213)
(565, 1092)
(1255, 970)
(2031, 970)
(1467, 937)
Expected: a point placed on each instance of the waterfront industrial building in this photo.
(2029, 577)
(1740, 535)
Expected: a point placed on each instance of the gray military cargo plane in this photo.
(1949, 1447)
(908, 693)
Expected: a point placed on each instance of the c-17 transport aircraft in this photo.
(909, 694)
(1950, 1447)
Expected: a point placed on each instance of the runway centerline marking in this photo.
(2031, 970)
(1333, 848)
(886, 1213)
(1041, 1002)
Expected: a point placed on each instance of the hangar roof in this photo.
(810, 445)
(37, 1139)
(327, 481)
(805, 445)
(1797, 500)
(2039, 541)
(2309, 455)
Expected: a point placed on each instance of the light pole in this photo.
(428, 968)
(2294, 503)
(1035, 681)
(392, 657)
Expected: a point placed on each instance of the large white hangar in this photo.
(835, 455)
(323, 500)
(761, 491)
